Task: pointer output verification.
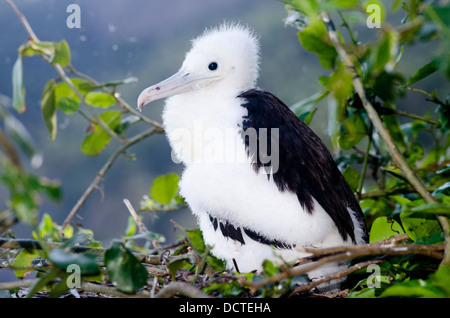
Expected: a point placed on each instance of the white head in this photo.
(225, 59)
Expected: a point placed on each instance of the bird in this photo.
(260, 182)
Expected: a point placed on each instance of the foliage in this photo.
(138, 265)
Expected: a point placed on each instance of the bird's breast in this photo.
(239, 195)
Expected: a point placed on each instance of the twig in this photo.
(364, 168)
(103, 171)
(10, 150)
(180, 288)
(414, 116)
(24, 21)
(34, 244)
(334, 276)
(141, 226)
(17, 284)
(102, 289)
(330, 255)
(8, 243)
(377, 194)
(119, 100)
(393, 150)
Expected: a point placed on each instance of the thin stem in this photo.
(334, 276)
(414, 116)
(103, 171)
(347, 26)
(180, 288)
(24, 21)
(364, 168)
(381, 129)
(119, 100)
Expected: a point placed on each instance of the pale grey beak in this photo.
(180, 82)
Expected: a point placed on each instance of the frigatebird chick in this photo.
(258, 179)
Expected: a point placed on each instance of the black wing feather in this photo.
(306, 167)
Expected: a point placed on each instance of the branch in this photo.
(8, 243)
(381, 193)
(343, 253)
(102, 289)
(103, 171)
(180, 288)
(393, 150)
(334, 276)
(24, 21)
(119, 100)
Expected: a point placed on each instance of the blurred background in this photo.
(148, 40)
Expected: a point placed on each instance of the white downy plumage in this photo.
(242, 211)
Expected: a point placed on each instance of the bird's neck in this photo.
(204, 126)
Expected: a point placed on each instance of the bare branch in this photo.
(334, 276)
(321, 257)
(24, 21)
(180, 288)
(104, 170)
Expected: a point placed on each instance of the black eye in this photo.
(212, 66)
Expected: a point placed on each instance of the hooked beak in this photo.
(180, 82)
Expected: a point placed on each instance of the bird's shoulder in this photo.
(305, 165)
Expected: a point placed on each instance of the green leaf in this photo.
(56, 52)
(441, 279)
(94, 143)
(384, 228)
(66, 99)
(307, 104)
(414, 288)
(31, 48)
(23, 262)
(18, 88)
(195, 238)
(416, 224)
(165, 188)
(22, 138)
(385, 52)
(68, 105)
(386, 85)
(89, 87)
(352, 177)
(423, 72)
(86, 262)
(177, 264)
(43, 281)
(432, 208)
(314, 38)
(339, 4)
(307, 116)
(340, 85)
(353, 130)
(100, 99)
(307, 7)
(48, 107)
(124, 269)
(61, 54)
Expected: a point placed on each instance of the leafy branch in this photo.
(394, 151)
(108, 122)
(403, 192)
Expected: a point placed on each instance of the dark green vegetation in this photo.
(396, 161)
